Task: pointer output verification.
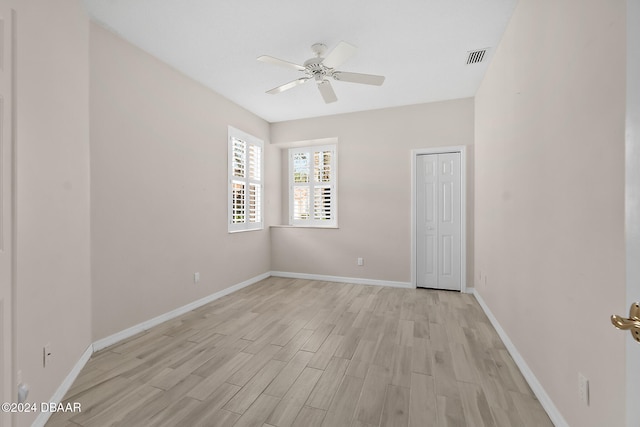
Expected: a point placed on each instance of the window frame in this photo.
(247, 180)
(333, 183)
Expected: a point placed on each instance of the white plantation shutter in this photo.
(322, 202)
(255, 202)
(238, 203)
(245, 181)
(255, 162)
(312, 186)
(301, 206)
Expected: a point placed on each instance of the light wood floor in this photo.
(288, 352)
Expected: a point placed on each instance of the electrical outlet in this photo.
(46, 355)
(583, 389)
(360, 261)
(196, 277)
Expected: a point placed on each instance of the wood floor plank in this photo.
(219, 418)
(209, 409)
(358, 368)
(115, 411)
(94, 398)
(530, 410)
(421, 357)
(317, 338)
(294, 345)
(211, 382)
(291, 331)
(253, 365)
(342, 408)
(349, 343)
(327, 386)
(422, 401)
(258, 412)
(395, 412)
(373, 394)
(174, 414)
(476, 407)
(463, 366)
(323, 356)
(309, 417)
(506, 418)
(252, 390)
(292, 403)
(152, 405)
(405, 332)
(444, 374)
(170, 377)
(266, 338)
(293, 352)
(509, 372)
(450, 412)
(402, 366)
(288, 375)
(421, 326)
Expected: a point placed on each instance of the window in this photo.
(312, 186)
(245, 181)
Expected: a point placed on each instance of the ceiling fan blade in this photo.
(286, 86)
(339, 55)
(327, 92)
(271, 60)
(367, 79)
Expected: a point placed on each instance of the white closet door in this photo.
(438, 221)
(427, 217)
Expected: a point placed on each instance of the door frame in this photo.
(632, 208)
(463, 208)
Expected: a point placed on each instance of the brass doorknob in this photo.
(632, 323)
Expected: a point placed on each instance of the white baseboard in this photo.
(64, 387)
(546, 402)
(356, 280)
(148, 324)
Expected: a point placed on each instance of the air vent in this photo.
(476, 56)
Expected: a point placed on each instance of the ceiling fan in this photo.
(321, 69)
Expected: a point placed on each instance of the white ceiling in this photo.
(420, 46)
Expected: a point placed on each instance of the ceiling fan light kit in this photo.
(321, 69)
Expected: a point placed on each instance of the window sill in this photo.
(244, 230)
(305, 226)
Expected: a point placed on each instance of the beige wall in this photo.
(374, 183)
(550, 198)
(52, 198)
(158, 188)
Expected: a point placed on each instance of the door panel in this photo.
(449, 223)
(446, 256)
(427, 214)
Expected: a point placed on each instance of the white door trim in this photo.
(463, 207)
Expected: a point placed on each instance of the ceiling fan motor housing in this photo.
(316, 69)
